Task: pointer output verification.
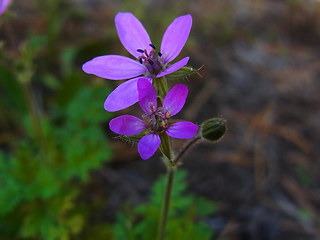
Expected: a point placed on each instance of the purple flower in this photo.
(3, 6)
(149, 61)
(155, 118)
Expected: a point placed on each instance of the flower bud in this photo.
(213, 129)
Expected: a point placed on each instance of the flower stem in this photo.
(161, 86)
(171, 169)
(166, 203)
(185, 149)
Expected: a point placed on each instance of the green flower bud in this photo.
(213, 129)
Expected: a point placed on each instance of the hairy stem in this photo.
(171, 168)
(161, 86)
(185, 149)
(166, 204)
(166, 150)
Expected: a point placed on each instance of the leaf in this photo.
(183, 223)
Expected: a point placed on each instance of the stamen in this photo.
(150, 60)
(153, 46)
(168, 115)
(146, 53)
(163, 124)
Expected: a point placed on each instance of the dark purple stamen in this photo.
(153, 46)
(151, 60)
(159, 54)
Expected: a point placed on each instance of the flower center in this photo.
(157, 118)
(151, 60)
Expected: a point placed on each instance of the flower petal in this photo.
(125, 95)
(132, 34)
(175, 37)
(174, 67)
(182, 130)
(127, 125)
(114, 67)
(147, 95)
(3, 5)
(175, 99)
(148, 145)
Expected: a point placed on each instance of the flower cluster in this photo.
(150, 66)
(156, 119)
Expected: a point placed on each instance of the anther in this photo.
(159, 54)
(140, 60)
(151, 62)
(140, 50)
(153, 46)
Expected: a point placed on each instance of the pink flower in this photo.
(149, 62)
(3, 6)
(155, 118)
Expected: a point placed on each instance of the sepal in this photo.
(184, 73)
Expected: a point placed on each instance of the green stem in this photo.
(160, 84)
(166, 204)
(171, 168)
(165, 148)
(185, 149)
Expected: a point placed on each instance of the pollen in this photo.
(153, 108)
(163, 124)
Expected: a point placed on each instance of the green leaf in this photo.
(185, 212)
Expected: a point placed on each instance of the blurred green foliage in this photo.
(51, 122)
(40, 187)
(185, 215)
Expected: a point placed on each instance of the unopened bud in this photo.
(213, 129)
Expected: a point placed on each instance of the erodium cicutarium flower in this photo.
(155, 118)
(149, 61)
(3, 5)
